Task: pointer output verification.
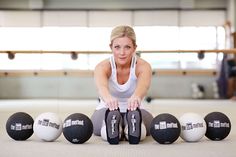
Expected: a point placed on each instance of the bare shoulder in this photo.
(143, 68)
(142, 65)
(103, 67)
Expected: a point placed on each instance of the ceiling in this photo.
(112, 4)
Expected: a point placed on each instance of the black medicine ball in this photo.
(165, 128)
(218, 126)
(19, 126)
(77, 128)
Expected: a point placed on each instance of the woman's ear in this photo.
(110, 46)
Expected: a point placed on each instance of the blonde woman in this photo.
(122, 82)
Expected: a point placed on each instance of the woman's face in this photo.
(123, 50)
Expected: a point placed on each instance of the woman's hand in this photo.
(134, 102)
(112, 103)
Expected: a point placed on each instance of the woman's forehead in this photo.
(122, 40)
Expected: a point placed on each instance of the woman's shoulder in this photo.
(142, 62)
(104, 66)
(105, 62)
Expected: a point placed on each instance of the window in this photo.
(151, 38)
(183, 38)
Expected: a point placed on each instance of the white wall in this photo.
(84, 87)
(111, 18)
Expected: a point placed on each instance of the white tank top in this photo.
(121, 91)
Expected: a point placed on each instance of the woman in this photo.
(122, 82)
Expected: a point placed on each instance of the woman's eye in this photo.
(127, 47)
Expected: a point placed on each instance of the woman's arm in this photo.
(144, 75)
(102, 73)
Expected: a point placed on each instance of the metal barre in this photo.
(89, 73)
(228, 51)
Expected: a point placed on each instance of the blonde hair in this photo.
(123, 31)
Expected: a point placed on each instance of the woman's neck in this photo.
(123, 66)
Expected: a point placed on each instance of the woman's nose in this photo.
(122, 51)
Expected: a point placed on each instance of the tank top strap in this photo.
(133, 66)
(112, 62)
(133, 62)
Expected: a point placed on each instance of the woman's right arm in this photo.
(102, 73)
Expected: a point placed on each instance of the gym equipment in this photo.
(77, 128)
(148, 99)
(198, 91)
(201, 55)
(11, 55)
(165, 128)
(143, 132)
(218, 126)
(193, 127)
(48, 126)
(74, 55)
(104, 133)
(19, 126)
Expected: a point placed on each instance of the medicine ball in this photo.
(19, 126)
(193, 127)
(103, 131)
(143, 132)
(165, 128)
(48, 126)
(218, 126)
(77, 128)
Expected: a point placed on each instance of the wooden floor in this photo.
(97, 147)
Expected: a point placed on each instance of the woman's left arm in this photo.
(144, 75)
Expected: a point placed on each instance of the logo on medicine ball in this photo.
(164, 125)
(190, 126)
(218, 124)
(70, 122)
(47, 123)
(20, 127)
